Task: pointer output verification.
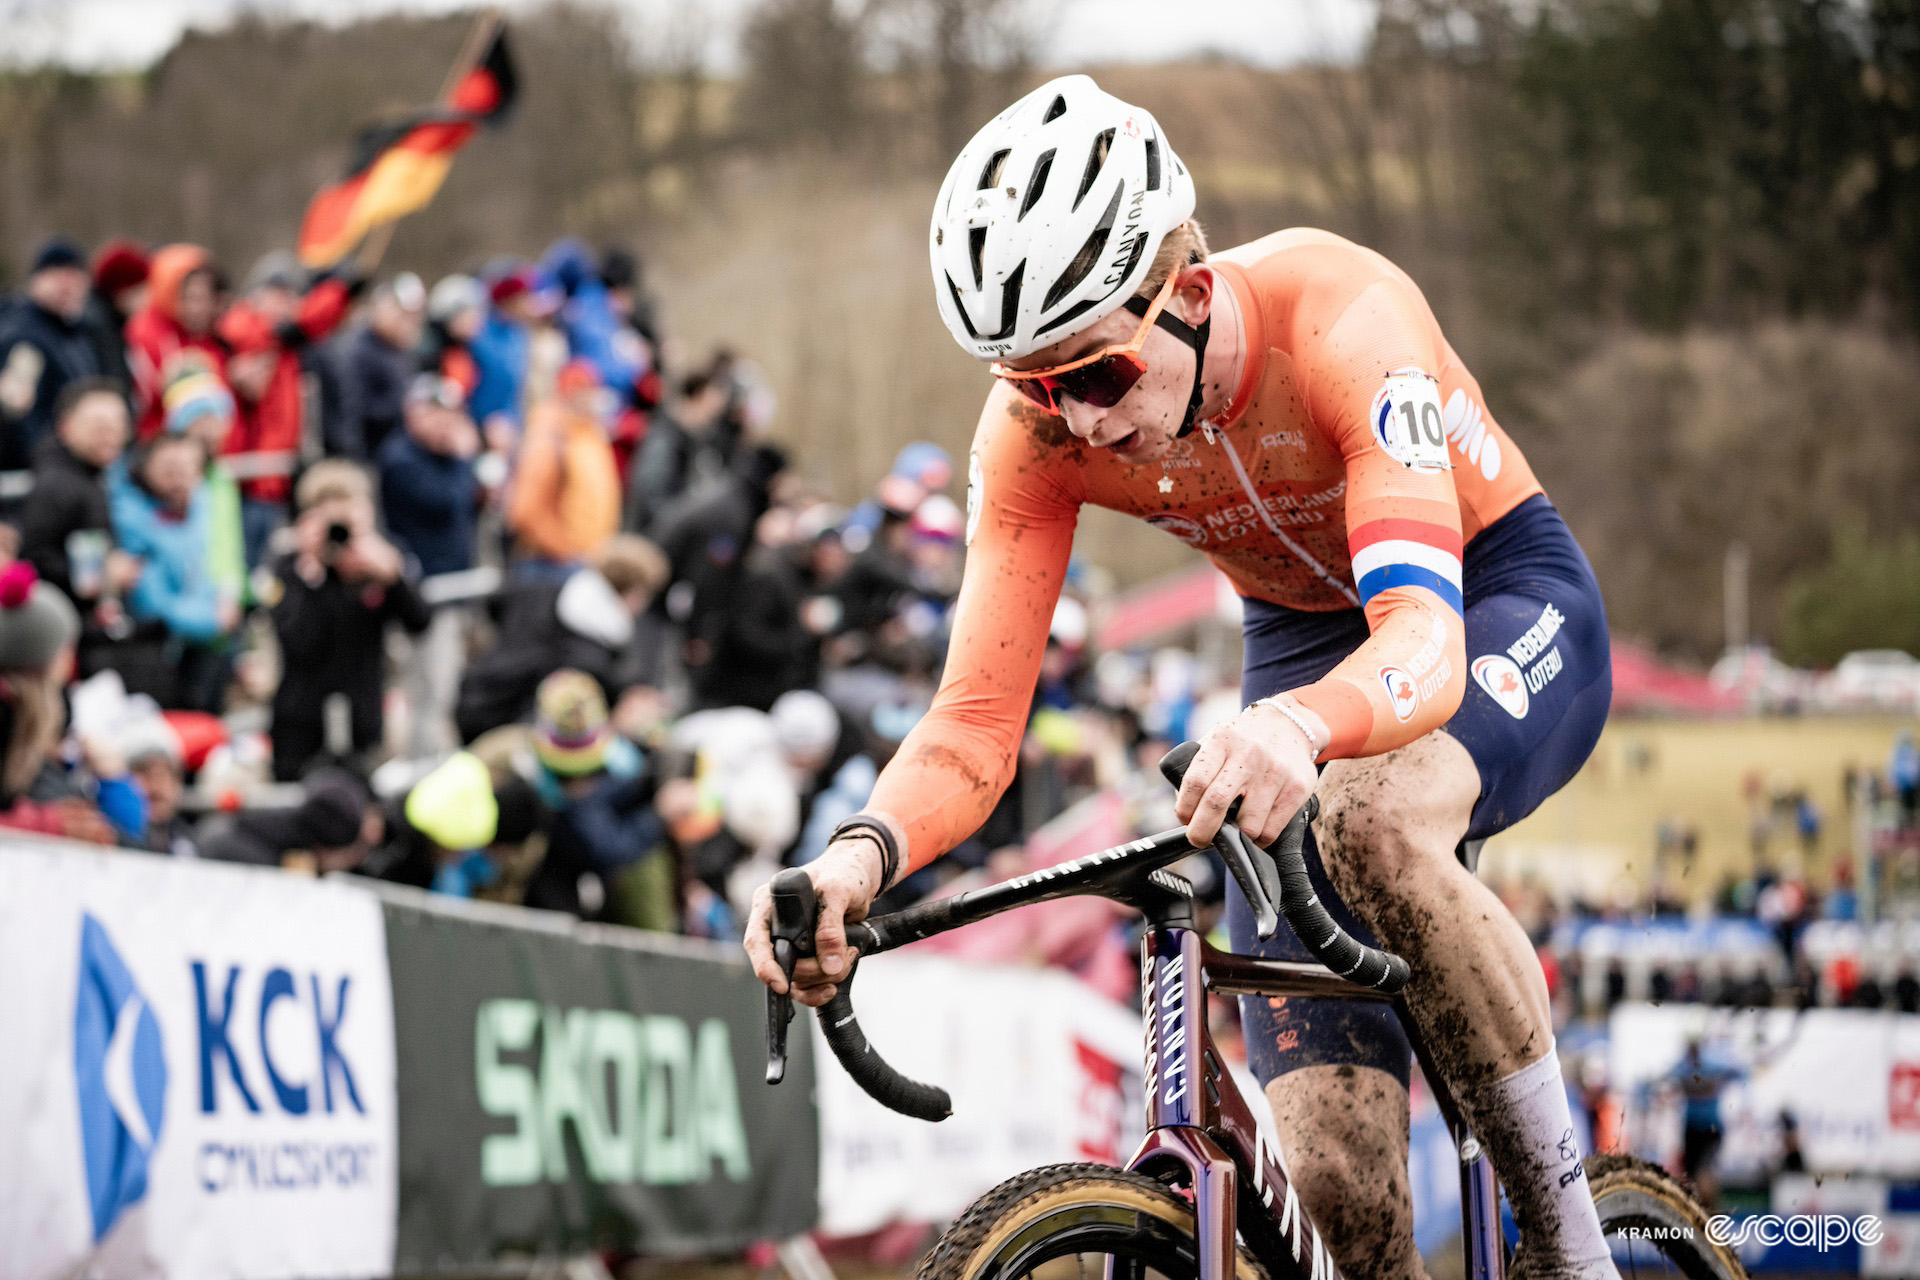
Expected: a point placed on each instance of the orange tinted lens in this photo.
(1104, 383)
(1036, 390)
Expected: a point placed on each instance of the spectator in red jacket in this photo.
(185, 294)
(264, 334)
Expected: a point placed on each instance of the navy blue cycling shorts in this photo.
(1539, 684)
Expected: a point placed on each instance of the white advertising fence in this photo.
(202, 1074)
(1850, 1078)
(1041, 1068)
(199, 1072)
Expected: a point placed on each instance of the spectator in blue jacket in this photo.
(162, 516)
(376, 365)
(595, 330)
(43, 348)
(427, 487)
(500, 352)
(607, 849)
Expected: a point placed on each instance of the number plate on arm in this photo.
(1406, 421)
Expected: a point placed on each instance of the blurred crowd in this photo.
(482, 587)
(1773, 935)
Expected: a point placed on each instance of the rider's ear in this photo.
(1193, 293)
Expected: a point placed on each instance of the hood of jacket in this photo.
(589, 607)
(171, 267)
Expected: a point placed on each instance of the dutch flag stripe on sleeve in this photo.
(1406, 553)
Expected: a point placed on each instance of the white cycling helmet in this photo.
(1050, 218)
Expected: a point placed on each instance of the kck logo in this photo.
(120, 1069)
(295, 1094)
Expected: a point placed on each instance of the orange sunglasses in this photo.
(1100, 379)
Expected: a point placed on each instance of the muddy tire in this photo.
(1642, 1199)
(1048, 1221)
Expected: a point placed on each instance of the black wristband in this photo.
(860, 824)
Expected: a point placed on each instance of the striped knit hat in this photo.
(193, 395)
(570, 730)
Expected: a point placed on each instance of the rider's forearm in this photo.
(1403, 682)
(947, 776)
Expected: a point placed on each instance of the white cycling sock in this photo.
(1527, 1129)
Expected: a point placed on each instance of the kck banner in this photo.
(577, 1089)
(197, 1076)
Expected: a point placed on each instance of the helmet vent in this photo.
(1038, 182)
(1083, 261)
(1153, 164)
(976, 251)
(960, 308)
(1096, 160)
(1009, 304)
(990, 176)
(1009, 307)
(1055, 110)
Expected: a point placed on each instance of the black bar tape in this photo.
(882, 1083)
(1330, 944)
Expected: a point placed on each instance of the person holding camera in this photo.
(332, 597)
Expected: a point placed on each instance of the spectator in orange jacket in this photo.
(264, 334)
(185, 292)
(566, 490)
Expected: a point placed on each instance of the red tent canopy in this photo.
(1641, 682)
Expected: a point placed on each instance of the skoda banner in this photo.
(573, 1089)
(198, 1071)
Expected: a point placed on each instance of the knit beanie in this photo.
(570, 731)
(331, 814)
(193, 395)
(119, 265)
(56, 253)
(36, 620)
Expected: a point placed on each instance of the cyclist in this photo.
(1420, 627)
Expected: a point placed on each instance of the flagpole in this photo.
(484, 26)
(374, 247)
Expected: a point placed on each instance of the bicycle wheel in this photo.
(1653, 1225)
(1063, 1221)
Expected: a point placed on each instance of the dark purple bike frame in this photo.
(1200, 1130)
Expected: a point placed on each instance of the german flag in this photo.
(398, 167)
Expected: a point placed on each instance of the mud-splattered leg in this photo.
(1343, 1134)
(1387, 832)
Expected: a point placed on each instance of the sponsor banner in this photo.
(567, 1089)
(1849, 1077)
(1041, 1068)
(199, 1075)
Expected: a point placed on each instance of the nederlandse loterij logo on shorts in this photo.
(120, 1070)
(1500, 676)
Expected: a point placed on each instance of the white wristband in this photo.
(1314, 748)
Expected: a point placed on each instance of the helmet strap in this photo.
(1193, 337)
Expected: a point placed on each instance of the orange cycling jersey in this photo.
(1353, 462)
